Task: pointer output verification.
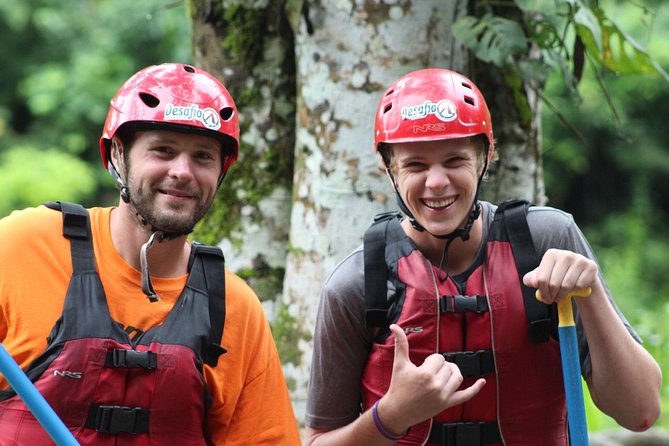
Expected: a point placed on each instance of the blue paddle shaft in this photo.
(571, 372)
(34, 400)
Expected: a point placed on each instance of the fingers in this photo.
(561, 272)
(465, 395)
(424, 390)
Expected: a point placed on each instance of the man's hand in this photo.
(418, 393)
(561, 272)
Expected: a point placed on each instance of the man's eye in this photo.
(414, 166)
(162, 149)
(205, 156)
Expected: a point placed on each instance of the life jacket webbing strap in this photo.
(76, 228)
(472, 363)
(213, 263)
(117, 419)
(376, 274)
(464, 434)
(540, 323)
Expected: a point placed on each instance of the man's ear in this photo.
(116, 155)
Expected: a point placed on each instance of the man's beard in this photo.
(175, 221)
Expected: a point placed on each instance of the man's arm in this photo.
(625, 380)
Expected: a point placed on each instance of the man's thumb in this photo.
(530, 279)
(401, 343)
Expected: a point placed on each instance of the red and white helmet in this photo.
(177, 97)
(432, 104)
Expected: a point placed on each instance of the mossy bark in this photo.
(250, 47)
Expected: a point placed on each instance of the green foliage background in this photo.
(62, 62)
(606, 145)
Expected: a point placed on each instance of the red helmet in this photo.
(432, 104)
(177, 97)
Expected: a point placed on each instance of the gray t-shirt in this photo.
(342, 343)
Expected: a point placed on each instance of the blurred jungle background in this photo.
(605, 150)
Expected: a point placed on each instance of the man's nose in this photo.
(181, 167)
(437, 178)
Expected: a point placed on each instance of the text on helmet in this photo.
(444, 110)
(207, 116)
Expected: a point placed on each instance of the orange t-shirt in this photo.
(250, 406)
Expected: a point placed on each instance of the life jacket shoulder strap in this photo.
(376, 271)
(213, 268)
(541, 318)
(76, 228)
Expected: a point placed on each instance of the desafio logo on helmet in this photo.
(207, 116)
(444, 110)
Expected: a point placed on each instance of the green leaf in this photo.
(492, 39)
(587, 21)
(615, 50)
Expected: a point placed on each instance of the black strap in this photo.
(376, 273)
(76, 228)
(118, 419)
(130, 359)
(472, 363)
(464, 434)
(539, 320)
(213, 267)
(452, 303)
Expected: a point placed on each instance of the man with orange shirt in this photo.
(132, 333)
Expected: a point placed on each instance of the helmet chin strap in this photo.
(147, 285)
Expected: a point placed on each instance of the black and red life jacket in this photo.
(110, 389)
(490, 330)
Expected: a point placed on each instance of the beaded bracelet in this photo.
(379, 426)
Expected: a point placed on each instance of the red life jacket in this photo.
(109, 389)
(486, 334)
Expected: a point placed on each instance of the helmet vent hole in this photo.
(466, 85)
(189, 69)
(387, 108)
(469, 100)
(226, 113)
(389, 92)
(150, 100)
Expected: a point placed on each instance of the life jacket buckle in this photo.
(127, 358)
(472, 363)
(116, 419)
(465, 433)
(468, 433)
(452, 303)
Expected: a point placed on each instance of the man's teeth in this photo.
(438, 203)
